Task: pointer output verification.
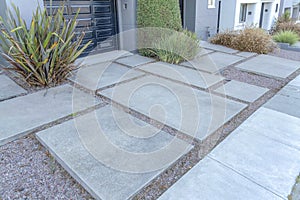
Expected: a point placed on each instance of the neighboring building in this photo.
(241, 13)
(293, 7)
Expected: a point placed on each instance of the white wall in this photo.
(254, 6)
(205, 17)
(27, 7)
(228, 12)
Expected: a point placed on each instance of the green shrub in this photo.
(176, 48)
(286, 37)
(156, 13)
(287, 26)
(249, 39)
(45, 53)
(286, 17)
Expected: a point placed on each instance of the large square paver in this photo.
(276, 125)
(259, 158)
(102, 57)
(108, 159)
(22, 114)
(210, 180)
(243, 91)
(203, 52)
(183, 74)
(295, 82)
(287, 100)
(191, 111)
(220, 48)
(9, 88)
(270, 66)
(134, 60)
(103, 74)
(213, 62)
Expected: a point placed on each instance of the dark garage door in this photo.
(97, 18)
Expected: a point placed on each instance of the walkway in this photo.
(127, 126)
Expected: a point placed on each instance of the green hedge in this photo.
(159, 13)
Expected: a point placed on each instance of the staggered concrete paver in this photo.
(134, 60)
(219, 48)
(191, 111)
(9, 88)
(103, 74)
(204, 52)
(243, 91)
(210, 180)
(182, 74)
(261, 159)
(21, 114)
(213, 62)
(97, 147)
(276, 125)
(270, 66)
(262, 151)
(103, 57)
(287, 100)
(73, 144)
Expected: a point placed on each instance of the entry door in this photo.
(97, 18)
(262, 10)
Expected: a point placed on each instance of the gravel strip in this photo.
(292, 55)
(28, 171)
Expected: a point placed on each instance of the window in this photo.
(243, 12)
(211, 3)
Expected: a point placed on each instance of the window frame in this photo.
(211, 3)
(243, 12)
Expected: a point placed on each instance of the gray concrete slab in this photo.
(204, 52)
(275, 125)
(246, 54)
(135, 60)
(210, 180)
(103, 74)
(8, 88)
(183, 74)
(295, 82)
(220, 48)
(243, 91)
(191, 111)
(213, 62)
(287, 101)
(270, 66)
(22, 114)
(261, 159)
(75, 145)
(102, 57)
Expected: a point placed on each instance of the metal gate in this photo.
(97, 18)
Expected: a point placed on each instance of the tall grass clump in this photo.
(286, 37)
(44, 52)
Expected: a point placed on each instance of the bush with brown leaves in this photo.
(226, 38)
(249, 39)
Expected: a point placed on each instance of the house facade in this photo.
(103, 19)
(241, 13)
(293, 7)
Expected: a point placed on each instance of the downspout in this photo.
(219, 16)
